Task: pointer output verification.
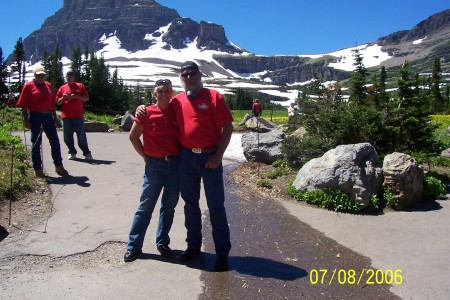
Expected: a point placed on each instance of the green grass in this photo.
(277, 116)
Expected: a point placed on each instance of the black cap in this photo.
(70, 72)
(189, 65)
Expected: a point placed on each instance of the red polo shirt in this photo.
(201, 119)
(35, 97)
(160, 132)
(72, 108)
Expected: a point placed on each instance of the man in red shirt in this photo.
(38, 99)
(256, 108)
(72, 96)
(205, 124)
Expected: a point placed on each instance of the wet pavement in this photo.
(273, 254)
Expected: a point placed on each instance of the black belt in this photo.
(208, 150)
(43, 111)
(167, 157)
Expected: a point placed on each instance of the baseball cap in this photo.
(39, 71)
(189, 65)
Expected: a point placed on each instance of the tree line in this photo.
(398, 119)
(108, 93)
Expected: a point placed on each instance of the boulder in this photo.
(260, 125)
(127, 121)
(403, 178)
(117, 121)
(446, 152)
(96, 127)
(299, 133)
(245, 119)
(263, 147)
(354, 169)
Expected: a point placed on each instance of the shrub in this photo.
(264, 183)
(433, 188)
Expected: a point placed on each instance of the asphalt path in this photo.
(281, 250)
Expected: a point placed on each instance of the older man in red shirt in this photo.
(37, 99)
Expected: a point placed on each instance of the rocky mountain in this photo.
(144, 39)
(82, 23)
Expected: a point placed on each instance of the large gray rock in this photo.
(354, 169)
(403, 178)
(127, 121)
(260, 125)
(96, 127)
(263, 147)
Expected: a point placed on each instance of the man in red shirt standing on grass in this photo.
(38, 99)
(72, 96)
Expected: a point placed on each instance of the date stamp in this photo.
(355, 277)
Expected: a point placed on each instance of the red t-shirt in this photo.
(160, 132)
(35, 97)
(257, 108)
(201, 119)
(72, 108)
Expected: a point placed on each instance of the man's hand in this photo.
(213, 162)
(140, 111)
(27, 124)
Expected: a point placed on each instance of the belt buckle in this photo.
(197, 150)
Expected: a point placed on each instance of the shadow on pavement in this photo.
(248, 265)
(95, 161)
(3, 233)
(69, 179)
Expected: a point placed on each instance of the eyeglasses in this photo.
(161, 82)
(190, 74)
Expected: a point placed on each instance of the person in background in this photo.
(256, 108)
(72, 96)
(38, 99)
(160, 153)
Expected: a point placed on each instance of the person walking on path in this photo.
(256, 108)
(72, 96)
(160, 152)
(205, 131)
(38, 99)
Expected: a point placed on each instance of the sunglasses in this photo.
(161, 82)
(190, 74)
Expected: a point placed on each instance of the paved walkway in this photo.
(94, 206)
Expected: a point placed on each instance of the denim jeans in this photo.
(192, 170)
(159, 174)
(76, 125)
(44, 123)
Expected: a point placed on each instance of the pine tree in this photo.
(3, 76)
(436, 96)
(18, 65)
(76, 64)
(358, 91)
(414, 122)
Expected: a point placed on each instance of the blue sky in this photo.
(266, 27)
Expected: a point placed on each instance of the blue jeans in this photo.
(159, 174)
(69, 126)
(41, 123)
(192, 170)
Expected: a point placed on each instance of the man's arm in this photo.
(215, 160)
(26, 121)
(134, 136)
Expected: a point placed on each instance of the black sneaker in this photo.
(221, 264)
(189, 254)
(164, 250)
(131, 255)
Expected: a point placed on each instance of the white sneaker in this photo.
(88, 157)
(72, 156)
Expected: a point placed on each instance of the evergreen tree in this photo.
(243, 99)
(414, 122)
(3, 76)
(436, 97)
(18, 65)
(76, 64)
(358, 91)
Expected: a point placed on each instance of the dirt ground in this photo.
(27, 210)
